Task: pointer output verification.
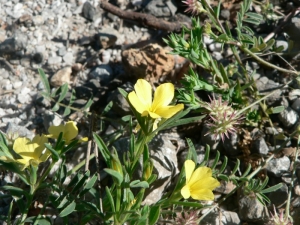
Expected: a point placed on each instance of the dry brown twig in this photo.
(142, 18)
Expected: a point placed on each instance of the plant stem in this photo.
(260, 60)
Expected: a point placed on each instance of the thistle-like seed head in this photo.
(186, 218)
(194, 6)
(281, 219)
(223, 119)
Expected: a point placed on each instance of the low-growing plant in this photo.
(115, 194)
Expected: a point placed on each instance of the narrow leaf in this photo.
(68, 210)
(154, 214)
(44, 80)
(115, 174)
(64, 90)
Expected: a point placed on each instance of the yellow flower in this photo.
(141, 100)
(69, 130)
(31, 151)
(199, 182)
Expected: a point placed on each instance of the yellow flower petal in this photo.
(136, 103)
(70, 131)
(200, 174)
(144, 92)
(31, 151)
(45, 155)
(199, 182)
(189, 166)
(54, 131)
(141, 100)
(40, 140)
(169, 111)
(163, 96)
(154, 115)
(185, 192)
(202, 194)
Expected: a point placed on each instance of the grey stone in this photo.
(260, 146)
(278, 166)
(54, 60)
(225, 13)
(207, 40)
(282, 43)
(68, 58)
(120, 104)
(107, 37)
(227, 217)
(88, 90)
(209, 139)
(38, 20)
(51, 119)
(164, 156)
(294, 94)
(231, 145)
(215, 47)
(24, 98)
(16, 43)
(251, 210)
(158, 8)
(279, 196)
(296, 105)
(16, 130)
(88, 11)
(288, 117)
(62, 51)
(217, 55)
(103, 73)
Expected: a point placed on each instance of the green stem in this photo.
(29, 201)
(260, 60)
(36, 186)
(118, 199)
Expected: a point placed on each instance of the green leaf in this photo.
(138, 183)
(110, 199)
(275, 110)
(67, 111)
(107, 108)
(88, 104)
(80, 182)
(15, 191)
(253, 21)
(224, 164)
(192, 154)
(91, 182)
(118, 177)
(216, 160)
(44, 81)
(273, 188)
(236, 167)
(68, 210)
(38, 220)
(54, 154)
(254, 16)
(123, 92)
(223, 177)
(154, 214)
(64, 90)
(55, 107)
(103, 149)
(62, 202)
